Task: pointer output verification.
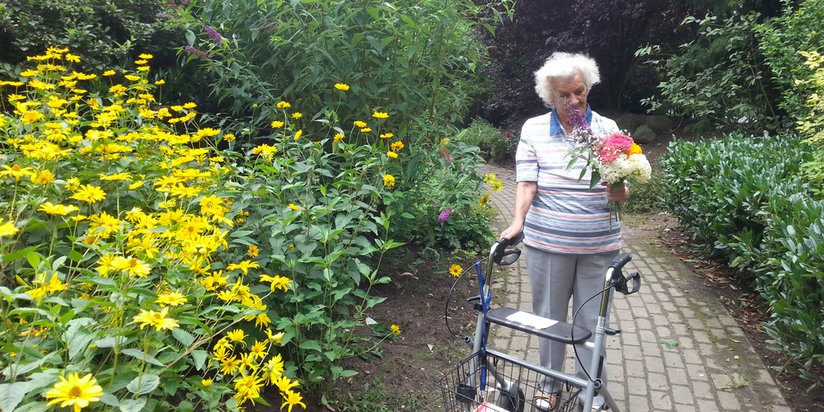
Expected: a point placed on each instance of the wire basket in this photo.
(510, 387)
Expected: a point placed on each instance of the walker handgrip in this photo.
(498, 250)
(622, 260)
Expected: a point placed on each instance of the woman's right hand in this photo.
(512, 231)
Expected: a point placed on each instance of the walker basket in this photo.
(513, 390)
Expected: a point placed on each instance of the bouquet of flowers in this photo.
(613, 159)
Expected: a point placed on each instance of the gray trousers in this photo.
(555, 278)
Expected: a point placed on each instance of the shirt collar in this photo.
(555, 127)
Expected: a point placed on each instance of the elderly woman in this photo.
(568, 236)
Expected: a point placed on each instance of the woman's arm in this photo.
(524, 194)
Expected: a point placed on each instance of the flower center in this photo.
(75, 392)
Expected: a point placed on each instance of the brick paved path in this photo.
(712, 368)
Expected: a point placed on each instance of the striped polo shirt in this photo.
(566, 216)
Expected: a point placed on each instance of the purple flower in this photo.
(445, 215)
(216, 37)
(196, 52)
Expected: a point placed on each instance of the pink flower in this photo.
(614, 145)
(445, 215)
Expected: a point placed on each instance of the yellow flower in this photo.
(258, 350)
(338, 137)
(283, 105)
(252, 251)
(274, 338)
(266, 151)
(229, 137)
(396, 330)
(455, 270)
(291, 399)
(75, 391)
(380, 115)
(396, 146)
(484, 199)
(392, 155)
(497, 185)
(89, 194)
(388, 180)
(109, 73)
(294, 207)
(136, 185)
(7, 228)
(635, 149)
(298, 134)
(156, 319)
(237, 335)
(206, 382)
(284, 383)
(247, 387)
(387, 135)
(115, 177)
(297, 115)
(160, 82)
(16, 171)
(366, 130)
(274, 368)
(277, 282)
(145, 56)
(359, 124)
(57, 210)
(277, 124)
(244, 266)
(170, 299)
(42, 177)
(230, 365)
(342, 86)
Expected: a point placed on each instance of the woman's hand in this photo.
(512, 231)
(621, 194)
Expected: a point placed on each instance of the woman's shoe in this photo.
(546, 401)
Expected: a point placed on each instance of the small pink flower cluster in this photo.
(614, 145)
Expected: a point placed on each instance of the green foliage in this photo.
(319, 211)
(103, 32)
(451, 182)
(812, 126)
(415, 59)
(648, 196)
(719, 79)
(742, 197)
(120, 260)
(780, 40)
(495, 145)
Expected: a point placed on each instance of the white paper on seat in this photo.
(531, 320)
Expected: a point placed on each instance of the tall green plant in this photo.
(800, 28)
(416, 59)
(719, 79)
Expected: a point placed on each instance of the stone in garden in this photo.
(659, 124)
(644, 134)
(629, 121)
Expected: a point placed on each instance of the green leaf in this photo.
(140, 355)
(11, 394)
(186, 338)
(78, 336)
(8, 257)
(14, 370)
(132, 405)
(669, 344)
(110, 341)
(310, 345)
(143, 384)
(199, 356)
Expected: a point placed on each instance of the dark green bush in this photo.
(105, 33)
(720, 78)
(781, 40)
(742, 197)
(495, 145)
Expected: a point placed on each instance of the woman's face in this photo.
(570, 91)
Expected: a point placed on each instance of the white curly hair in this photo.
(565, 65)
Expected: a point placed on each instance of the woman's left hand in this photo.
(620, 194)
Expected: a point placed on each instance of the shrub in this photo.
(495, 145)
(719, 80)
(415, 59)
(743, 198)
(103, 32)
(249, 268)
(444, 206)
(648, 196)
(781, 39)
(119, 259)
